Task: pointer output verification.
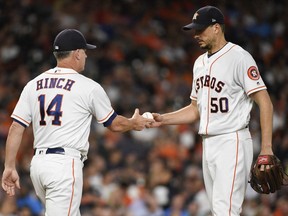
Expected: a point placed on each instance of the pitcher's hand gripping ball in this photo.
(147, 115)
(267, 174)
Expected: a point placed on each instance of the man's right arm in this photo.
(185, 115)
(123, 124)
(10, 177)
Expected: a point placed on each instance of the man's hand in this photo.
(158, 121)
(10, 180)
(267, 174)
(140, 122)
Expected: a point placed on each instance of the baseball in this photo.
(147, 115)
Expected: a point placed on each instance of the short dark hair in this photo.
(61, 54)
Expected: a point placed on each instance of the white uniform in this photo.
(222, 84)
(60, 103)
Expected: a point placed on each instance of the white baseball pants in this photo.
(226, 164)
(58, 181)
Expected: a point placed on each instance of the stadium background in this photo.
(143, 60)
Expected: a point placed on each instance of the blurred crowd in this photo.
(143, 60)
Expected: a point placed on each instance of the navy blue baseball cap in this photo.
(205, 17)
(70, 39)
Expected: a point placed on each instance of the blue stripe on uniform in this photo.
(110, 120)
(19, 122)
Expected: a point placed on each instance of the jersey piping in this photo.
(256, 89)
(73, 184)
(103, 120)
(234, 175)
(209, 89)
(20, 120)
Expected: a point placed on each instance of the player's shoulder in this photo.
(238, 50)
(82, 81)
(87, 83)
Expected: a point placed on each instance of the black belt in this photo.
(57, 150)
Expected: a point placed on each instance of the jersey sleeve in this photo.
(22, 112)
(193, 95)
(100, 106)
(248, 75)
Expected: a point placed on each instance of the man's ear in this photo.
(76, 54)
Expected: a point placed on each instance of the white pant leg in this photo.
(58, 180)
(228, 159)
(207, 175)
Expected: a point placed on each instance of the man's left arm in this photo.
(262, 99)
(267, 174)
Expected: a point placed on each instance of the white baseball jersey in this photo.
(221, 86)
(60, 104)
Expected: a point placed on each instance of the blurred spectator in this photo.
(28, 200)
(281, 206)
(196, 198)
(177, 207)
(8, 206)
(143, 60)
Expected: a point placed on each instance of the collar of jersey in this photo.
(223, 48)
(59, 70)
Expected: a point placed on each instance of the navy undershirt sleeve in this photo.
(110, 120)
(19, 122)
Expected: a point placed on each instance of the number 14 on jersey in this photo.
(53, 109)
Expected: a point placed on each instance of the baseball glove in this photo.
(267, 174)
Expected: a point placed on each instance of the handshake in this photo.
(146, 120)
(148, 115)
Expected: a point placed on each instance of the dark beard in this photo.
(207, 47)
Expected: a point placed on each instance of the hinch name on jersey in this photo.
(60, 83)
(208, 81)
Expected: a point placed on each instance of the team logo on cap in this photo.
(195, 16)
(253, 73)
